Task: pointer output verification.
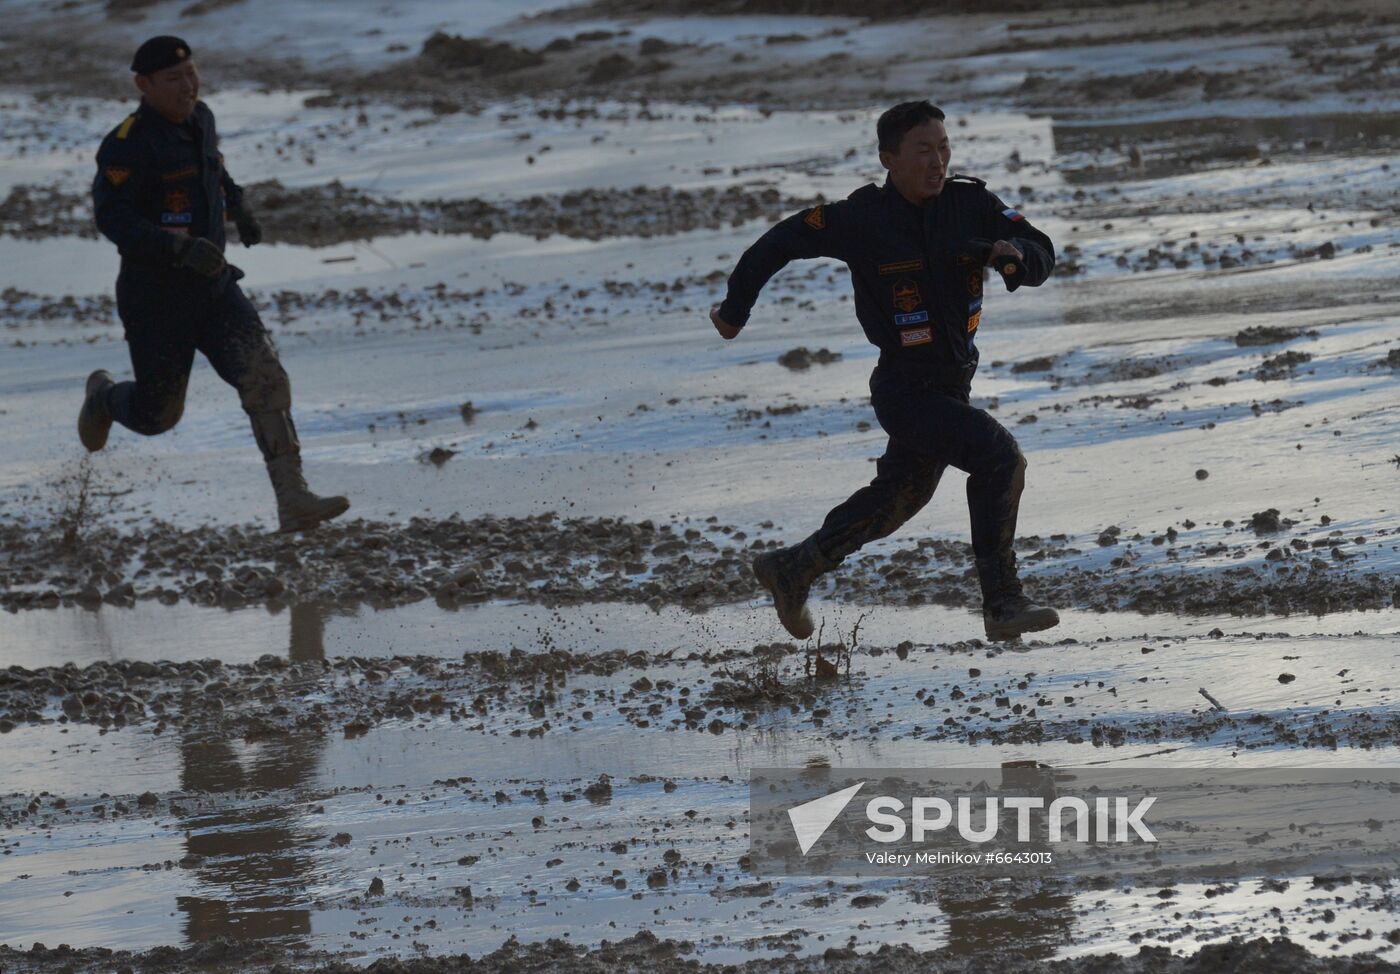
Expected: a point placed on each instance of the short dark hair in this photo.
(901, 118)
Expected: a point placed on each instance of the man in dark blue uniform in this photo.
(162, 195)
(916, 248)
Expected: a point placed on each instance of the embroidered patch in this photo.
(816, 219)
(901, 267)
(906, 295)
(116, 175)
(974, 284)
(189, 172)
(912, 319)
(915, 336)
(1008, 268)
(974, 321)
(177, 201)
(176, 219)
(1012, 215)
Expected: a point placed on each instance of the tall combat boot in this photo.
(298, 509)
(788, 574)
(1006, 612)
(95, 420)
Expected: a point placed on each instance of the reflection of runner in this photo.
(995, 922)
(162, 196)
(1029, 917)
(916, 248)
(254, 851)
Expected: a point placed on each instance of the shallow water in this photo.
(242, 840)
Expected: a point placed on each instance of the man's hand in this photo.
(249, 229)
(1004, 248)
(725, 329)
(198, 255)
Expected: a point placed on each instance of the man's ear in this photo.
(143, 83)
(886, 157)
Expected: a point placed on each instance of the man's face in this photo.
(920, 166)
(172, 91)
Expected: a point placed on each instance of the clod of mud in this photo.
(1281, 366)
(800, 358)
(452, 52)
(1265, 335)
(1041, 364)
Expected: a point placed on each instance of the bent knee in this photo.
(161, 420)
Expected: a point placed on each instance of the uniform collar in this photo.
(185, 128)
(888, 189)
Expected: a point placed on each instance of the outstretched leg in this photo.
(904, 482)
(160, 329)
(241, 351)
(946, 426)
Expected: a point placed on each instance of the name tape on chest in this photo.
(901, 267)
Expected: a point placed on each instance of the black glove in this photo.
(973, 253)
(249, 229)
(199, 256)
(976, 253)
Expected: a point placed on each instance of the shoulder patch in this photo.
(816, 219)
(116, 175)
(1012, 214)
(124, 129)
(964, 178)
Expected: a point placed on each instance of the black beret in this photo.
(160, 53)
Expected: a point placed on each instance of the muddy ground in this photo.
(1297, 567)
(1222, 187)
(324, 215)
(644, 952)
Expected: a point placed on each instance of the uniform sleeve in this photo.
(121, 167)
(1008, 223)
(233, 193)
(814, 232)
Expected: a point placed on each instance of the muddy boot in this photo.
(298, 509)
(787, 574)
(1006, 612)
(95, 420)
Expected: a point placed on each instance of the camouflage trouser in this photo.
(166, 322)
(931, 429)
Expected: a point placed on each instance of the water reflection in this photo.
(258, 855)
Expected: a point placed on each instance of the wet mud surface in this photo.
(322, 216)
(381, 771)
(1006, 698)
(1290, 567)
(645, 952)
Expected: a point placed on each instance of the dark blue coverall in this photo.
(918, 295)
(157, 179)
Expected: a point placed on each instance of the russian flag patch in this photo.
(1012, 215)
